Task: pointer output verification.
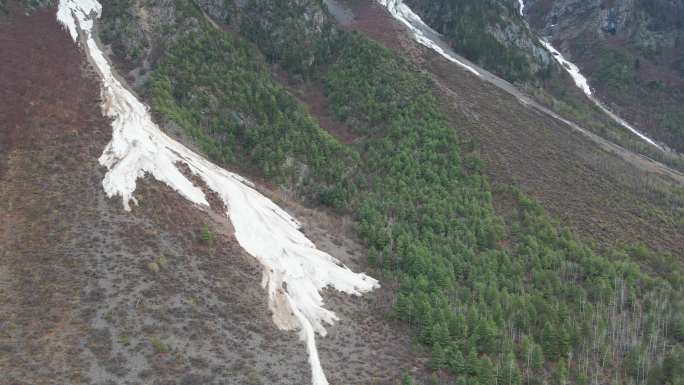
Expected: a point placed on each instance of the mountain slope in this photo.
(80, 302)
(473, 269)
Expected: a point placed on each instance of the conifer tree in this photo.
(472, 363)
(438, 357)
(509, 373)
(486, 373)
(456, 362)
(561, 374)
(537, 359)
(407, 380)
(550, 341)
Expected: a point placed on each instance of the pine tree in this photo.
(457, 326)
(471, 363)
(563, 343)
(485, 371)
(486, 338)
(550, 341)
(561, 374)
(456, 361)
(440, 334)
(438, 357)
(407, 380)
(537, 359)
(509, 374)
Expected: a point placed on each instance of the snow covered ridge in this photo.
(420, 30)
(294, 270)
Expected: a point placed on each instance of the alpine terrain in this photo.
(342, 192)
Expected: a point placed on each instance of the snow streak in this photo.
(294, 270)
(421, 31)
(580, 81)
(521, 7)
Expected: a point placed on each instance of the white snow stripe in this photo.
(415, 24)
(294, 270)
(580, 81)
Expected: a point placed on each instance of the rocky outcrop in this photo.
(642, 22)
(297, 34)
(138, 31)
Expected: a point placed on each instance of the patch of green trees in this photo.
(218, 89)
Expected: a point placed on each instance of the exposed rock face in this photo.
(138, 30)
(639, 20)
(651, 27)
(295, 33)
(517, 35)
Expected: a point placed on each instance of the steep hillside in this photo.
(128, 297)
(91, 294)
(511, 244)
(379, 110)
(491, 34)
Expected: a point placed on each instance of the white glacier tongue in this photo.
(421, 31)
(294, 270)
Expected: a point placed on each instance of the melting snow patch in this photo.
(571, 68)
(421, 31)
(294, 270)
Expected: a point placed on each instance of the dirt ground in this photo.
(79, 301)
(91, 294)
